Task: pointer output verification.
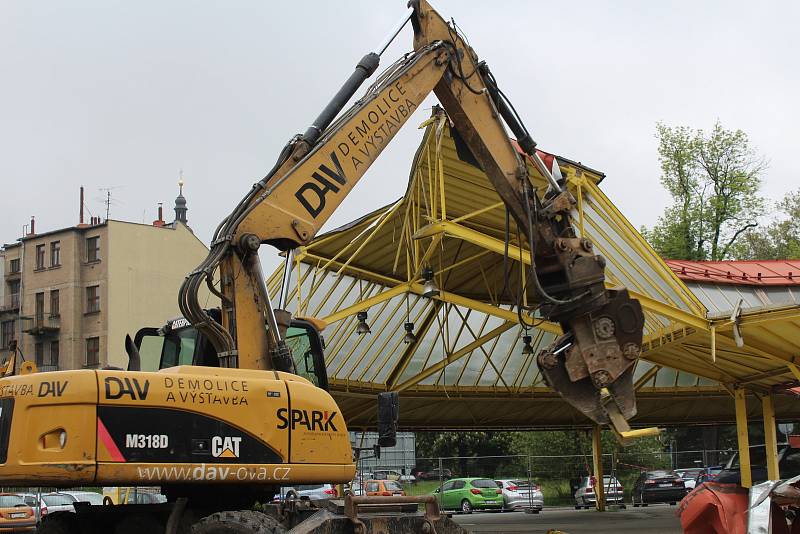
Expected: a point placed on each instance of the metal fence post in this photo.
(530, 487)
(441, 481)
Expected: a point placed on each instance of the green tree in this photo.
(465, 447)
(714, 179)
(780, 239)
(576, 442)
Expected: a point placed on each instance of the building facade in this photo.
(71, 295)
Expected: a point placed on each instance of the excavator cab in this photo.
(179, 343)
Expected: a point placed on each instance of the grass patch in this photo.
(421, 487)
(556, 493)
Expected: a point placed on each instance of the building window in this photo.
(40, 256)
(15, 266)
(38, 350)
(54, 353)
(92, 351)
(54, 303)
(92, 299)
(55, 253)
(39, 307)
(92, 248)
(13, 291)
(8, 334)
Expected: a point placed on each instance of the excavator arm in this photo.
(316, 170)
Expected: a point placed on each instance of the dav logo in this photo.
(225, 447)
(310, 419)
(320, 185)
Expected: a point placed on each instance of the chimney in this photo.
(160, 221)
(32, 231)
(81, 224)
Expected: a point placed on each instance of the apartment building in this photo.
(71, 295)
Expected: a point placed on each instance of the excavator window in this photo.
(178, 343)
(179, 347)
(306, 345)
(159, 350)
(149, 345)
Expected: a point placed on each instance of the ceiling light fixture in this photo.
(527, 348)
(409, 338)
(429, 289)
(362, 327)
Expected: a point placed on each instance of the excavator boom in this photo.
(602, 327)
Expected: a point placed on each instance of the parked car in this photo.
(788, 465)
(518, 495)
(33, 501)
(385, 488)
(690, 475)
(130, 495)
(56, 502)
(408, 479)
(386, 474)
(661, 486)
(64, 501)
(84, 496)
(467, 494)
(434, 474)
(586, 497)
(15, 515)
(392, 474)
(709, 473)
(312, 492)
(354, 488)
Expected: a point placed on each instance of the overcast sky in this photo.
(123, 95)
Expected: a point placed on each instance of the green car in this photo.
(467, 494)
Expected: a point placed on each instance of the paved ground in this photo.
(655, 519)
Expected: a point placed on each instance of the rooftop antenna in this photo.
(107, 200)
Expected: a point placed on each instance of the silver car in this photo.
(91, 497)
(585, 496)
(518, 495)
(64, 501)
(56, 502)
(312, 492)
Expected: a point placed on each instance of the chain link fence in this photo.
(556, 474)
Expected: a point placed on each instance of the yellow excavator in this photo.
(221, 408)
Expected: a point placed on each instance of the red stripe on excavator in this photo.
(108, 441)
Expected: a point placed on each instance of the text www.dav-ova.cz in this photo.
(212, 472)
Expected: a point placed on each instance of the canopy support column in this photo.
(740, 400)
(597, 460)
(770, 437)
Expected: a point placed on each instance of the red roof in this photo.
(751, 273)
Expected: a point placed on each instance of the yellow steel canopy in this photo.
(466, 368)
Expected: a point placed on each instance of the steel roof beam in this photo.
(514, 252)
(405, 359)
(457, 355)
